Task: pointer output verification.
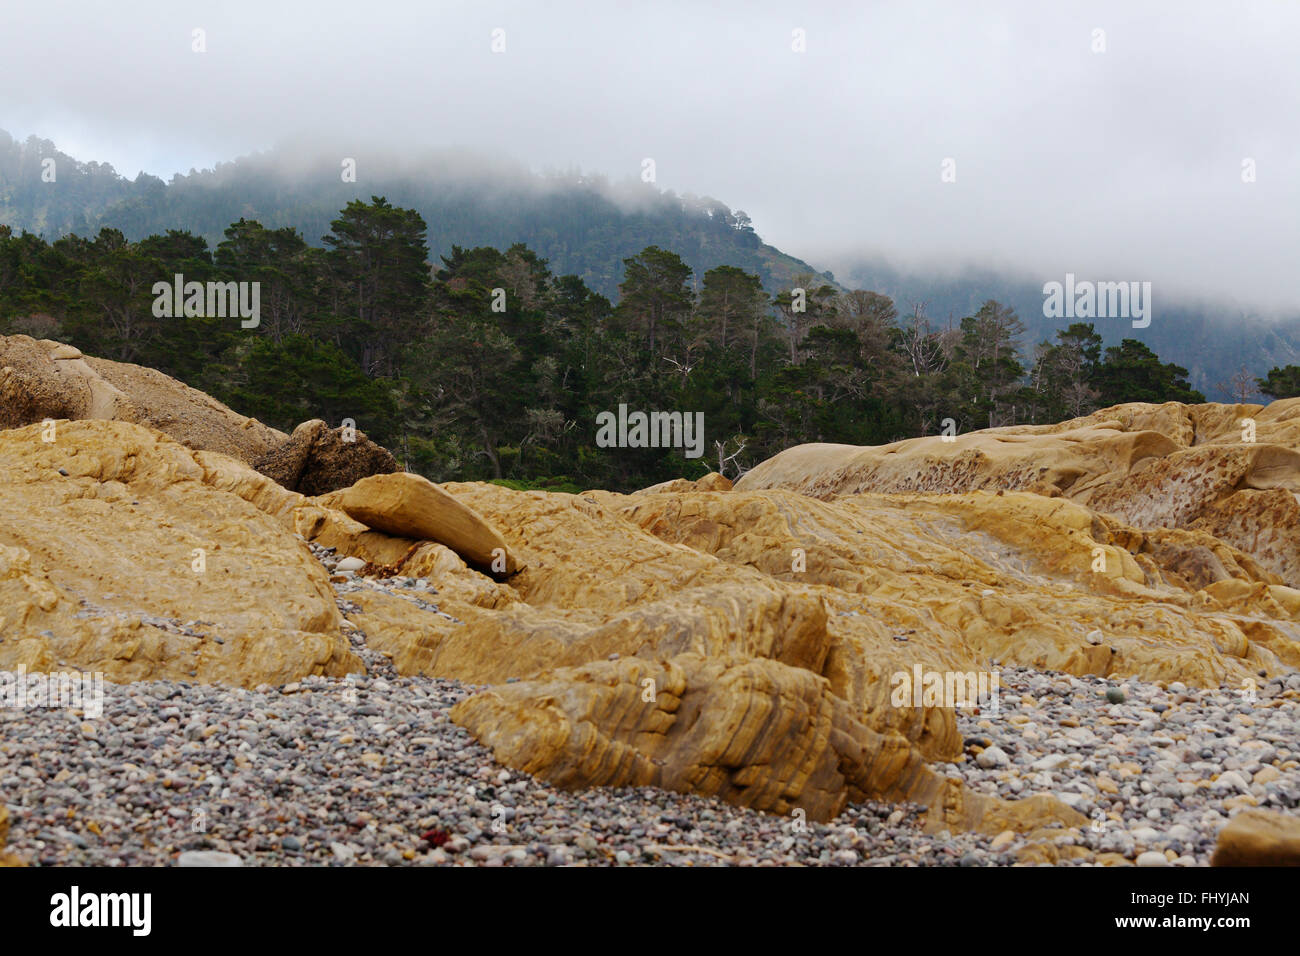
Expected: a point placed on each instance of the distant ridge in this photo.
(583, 224)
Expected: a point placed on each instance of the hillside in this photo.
(1211, 341)
(582, 224)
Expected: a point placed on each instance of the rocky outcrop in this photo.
(316, 459)
(751, 731)
(739, 642)
(42, 379)
(1258, 838)
(119, 553)
(1232, 471)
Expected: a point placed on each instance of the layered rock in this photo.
(44, 380)
(1232, 471)
(119, 553)
(752, 731)
(744, 643)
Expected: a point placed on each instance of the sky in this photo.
(1119, 141)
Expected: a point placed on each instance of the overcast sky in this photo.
(1122, 164)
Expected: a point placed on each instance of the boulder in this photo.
(751, 731)
(411, 506)
(42, 379)
(1258, 838)
(316, 459)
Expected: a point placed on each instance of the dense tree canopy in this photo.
(489, 366)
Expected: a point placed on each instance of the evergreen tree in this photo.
(1131, 372)
(1281, 382)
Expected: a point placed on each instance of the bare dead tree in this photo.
(724, 459)
(1241, 387)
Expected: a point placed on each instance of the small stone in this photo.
(1051, 762)
(993, 757)
(1152, 858)
(1266, 774)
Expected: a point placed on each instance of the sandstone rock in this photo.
(133, 564)
(710, 482)
(411, 506)
(918, 567)
(751, 731)
(772, 625)
(41, 379)
(1258, 838)
(1165, 466)
(316, 460)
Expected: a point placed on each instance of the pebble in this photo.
(993, 757)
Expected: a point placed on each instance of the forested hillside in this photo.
(582, 224)
(492, 365)
(1220, 345)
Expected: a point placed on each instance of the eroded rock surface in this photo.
(119, 553)
(1230, 470)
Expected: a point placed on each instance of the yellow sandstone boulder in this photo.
(411, 506)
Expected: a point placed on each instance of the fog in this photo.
(1117, 155)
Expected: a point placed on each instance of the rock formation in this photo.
(743, 643)
(410, 506)
(1230, 470)
(42, 380)
(119, 554)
